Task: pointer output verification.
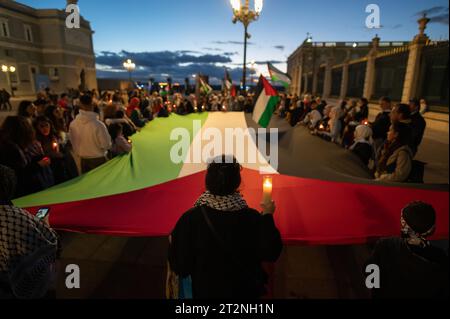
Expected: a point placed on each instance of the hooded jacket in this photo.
(89, 137)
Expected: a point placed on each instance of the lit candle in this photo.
(55, 146)
(322, 127)
(267, 189)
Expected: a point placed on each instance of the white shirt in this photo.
(89, 136)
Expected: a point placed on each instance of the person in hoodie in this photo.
(396, 157)
(363, 144)
(89, 136)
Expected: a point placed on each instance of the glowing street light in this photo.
(130, 66)
(245, 15)
(9, 70)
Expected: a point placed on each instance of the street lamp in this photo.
(9, 70)
(253, 68)
(244, 14)
(130, 67)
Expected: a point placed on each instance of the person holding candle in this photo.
(21, 151)
(46, 135)
(221, 243)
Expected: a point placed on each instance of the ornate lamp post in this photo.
(130, 67)
(244, 14)
(9, 70)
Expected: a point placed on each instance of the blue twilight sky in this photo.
(180, 38)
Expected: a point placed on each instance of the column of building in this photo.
(369, 83)
(328, 77)
(410, 87)
(300, 76)
(345, 76)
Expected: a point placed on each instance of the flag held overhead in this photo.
(278, 76)
(266, 102)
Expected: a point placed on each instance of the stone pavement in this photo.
(135, 268)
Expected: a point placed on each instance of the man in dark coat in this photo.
(418, 125)
(382, 122)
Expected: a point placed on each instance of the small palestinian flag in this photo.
(266, 102)
(278, 76)
(205, 87)
(228, 81)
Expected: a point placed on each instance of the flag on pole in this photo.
(205, 87)
(233, 91)
(278, 76)
(228, 81)
(266, 102)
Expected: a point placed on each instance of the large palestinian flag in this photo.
(145, 193)
(265, 102)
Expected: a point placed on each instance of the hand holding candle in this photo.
(267, 189)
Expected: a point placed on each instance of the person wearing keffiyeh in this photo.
(28, 247)
(411, 267)
(218, 246)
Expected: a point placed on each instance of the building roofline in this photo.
(38, 13)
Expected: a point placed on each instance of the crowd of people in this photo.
(387, 146)
(57, 137)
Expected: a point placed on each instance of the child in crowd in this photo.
(120, 144)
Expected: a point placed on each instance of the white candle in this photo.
(267, 189)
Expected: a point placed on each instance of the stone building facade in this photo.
(401, 70)
(43, 51)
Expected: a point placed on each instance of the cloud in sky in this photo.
(279, 47)
(160, 65)
(232, 42)
(437, 14)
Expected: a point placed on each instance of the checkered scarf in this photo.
(413, 238)
(27, 252)
(230, 203)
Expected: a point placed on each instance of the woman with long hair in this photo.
(20, 151)
(396, 157)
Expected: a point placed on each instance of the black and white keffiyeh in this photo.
(230, 203)
(413, 238)
(28, 250)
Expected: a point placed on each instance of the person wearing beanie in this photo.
(410, 265)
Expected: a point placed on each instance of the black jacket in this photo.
(218, 272)
(381, 126)
(408, 272)
(364, 152)
(418, 126)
